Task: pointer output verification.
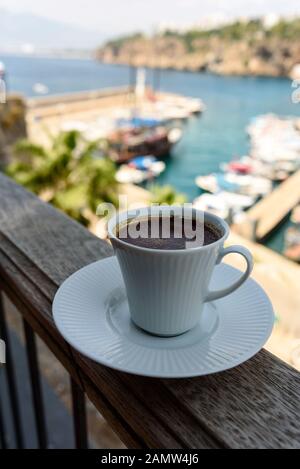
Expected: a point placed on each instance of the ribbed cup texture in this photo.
(166, 291)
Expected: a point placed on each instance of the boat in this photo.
(161, 106)
(273, 138)
(148, 163)
(237, 167)
(40, 88)
(180, 107)
(212, 203)
(276, 171)
(127, 175)
(292, 243)
(237, 201)
(240, 184)
(292, 236)
(157, 141)
(226, 205)
(138, 123)
(171, 107)
(295, 216)
(293, 253)
(140, 169)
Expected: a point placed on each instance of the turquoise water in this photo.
(216, 136)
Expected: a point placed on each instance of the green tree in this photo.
(166, 195)
(72, 173)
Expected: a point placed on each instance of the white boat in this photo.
(212, 203)
(40, 88)
(224, 204)
(237, 201)
(140, 169)
(127, 175)
(275, 171)
(172, 108)
(175, 135)
(274, 138)
(231, 182)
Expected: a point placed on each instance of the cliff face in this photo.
(247, 51)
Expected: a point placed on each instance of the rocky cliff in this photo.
(237, 49)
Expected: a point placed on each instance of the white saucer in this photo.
(91, 311)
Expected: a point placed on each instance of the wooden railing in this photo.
(256, 405)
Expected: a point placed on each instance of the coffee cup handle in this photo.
(215, 295)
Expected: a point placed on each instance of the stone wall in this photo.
(12, 125)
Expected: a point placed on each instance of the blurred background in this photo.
(163, 101)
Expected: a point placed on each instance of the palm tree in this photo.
(72, 173)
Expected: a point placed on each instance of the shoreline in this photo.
(194, 71)
(161, 69)
(47, 55)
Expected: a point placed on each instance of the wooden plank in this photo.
(273, 208)
(255, 405)
(159, 418)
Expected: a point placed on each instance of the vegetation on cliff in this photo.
(243, 48)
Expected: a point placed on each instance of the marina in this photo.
(269, 177)
(211, 144)
(141, 128)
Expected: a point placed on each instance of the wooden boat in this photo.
(126, 145)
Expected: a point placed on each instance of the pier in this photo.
(96, 109)
(263, 217)
(49, 114)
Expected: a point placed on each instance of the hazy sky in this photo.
(114, 16)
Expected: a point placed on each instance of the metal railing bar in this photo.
(11, 378)
(79, 416)
(36, 388)
(3, 442)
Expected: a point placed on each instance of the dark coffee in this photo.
(170, 233)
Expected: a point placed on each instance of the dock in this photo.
(46, 115)
(263, 217)
(96, 109)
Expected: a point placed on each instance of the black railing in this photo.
(15, 400)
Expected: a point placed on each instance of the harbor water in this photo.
(217, 136)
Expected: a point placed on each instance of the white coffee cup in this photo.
(167, 289)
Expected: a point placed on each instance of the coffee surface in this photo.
(168, 233)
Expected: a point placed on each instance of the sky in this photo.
(113, 17)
